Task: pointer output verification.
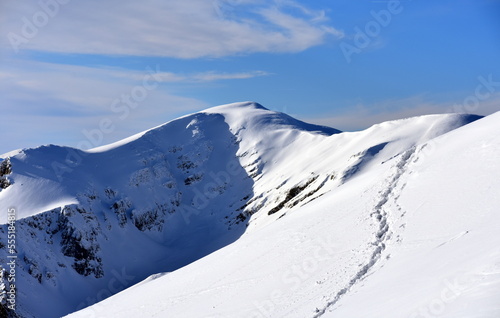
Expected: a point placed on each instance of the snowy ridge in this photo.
(417, 263)
(111, 217)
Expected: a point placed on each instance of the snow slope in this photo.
(301, 217)
(415, 236)
(446, 261)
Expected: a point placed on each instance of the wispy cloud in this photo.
(216, 76)
(361, 116)
(62, 100)
(174, 28)
(204, 77)
(89, 86)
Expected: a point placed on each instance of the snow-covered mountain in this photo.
(238, 211)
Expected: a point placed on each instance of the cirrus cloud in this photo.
(45, 102)
(174, 28)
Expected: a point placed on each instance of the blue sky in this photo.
(65, 65)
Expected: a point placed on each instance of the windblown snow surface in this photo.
(238, 211)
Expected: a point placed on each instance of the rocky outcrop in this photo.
(80, 242)
(5, 170)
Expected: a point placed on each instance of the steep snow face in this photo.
(154, 204)
(107, 218)
(414, 236)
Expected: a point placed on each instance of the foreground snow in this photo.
(238, 211)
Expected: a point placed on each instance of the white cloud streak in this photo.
(174, 28)
(52, 103)
(361, 116)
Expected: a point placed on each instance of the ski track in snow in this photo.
(381, 236)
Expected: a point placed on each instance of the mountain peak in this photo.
(254, 116)
(239, 106)
(250, 116)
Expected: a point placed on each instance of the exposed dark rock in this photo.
(152, 219)
(33, 268)
(193, 179)
(4, 182)
(5, 167)
(81, 244)
(121, 208)
(292, 193)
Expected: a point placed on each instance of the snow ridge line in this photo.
(381, 236)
